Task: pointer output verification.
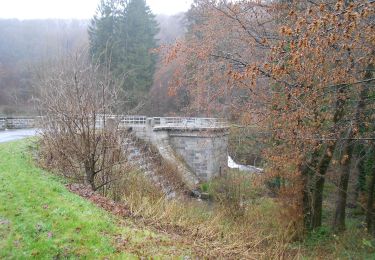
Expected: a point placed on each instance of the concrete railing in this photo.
(123, 121)
(133, 120)
(126, 121)
(165, 122)
(189, 122)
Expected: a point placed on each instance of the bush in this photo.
(235, 190)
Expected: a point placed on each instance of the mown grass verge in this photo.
(40, 218)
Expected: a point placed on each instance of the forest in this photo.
(28, 45)
(294, 80)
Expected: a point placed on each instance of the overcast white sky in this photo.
(80, 9)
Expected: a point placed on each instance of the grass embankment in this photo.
(40, 218)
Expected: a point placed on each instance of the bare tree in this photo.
(76, 101)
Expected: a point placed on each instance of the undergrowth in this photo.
(241, 221)
(323, 243)
(215, 230)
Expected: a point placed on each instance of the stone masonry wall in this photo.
(3, 123)
(16, 123)
(204, 152)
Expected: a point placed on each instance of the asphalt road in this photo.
(12, 135)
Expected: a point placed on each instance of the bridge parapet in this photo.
(191, 122)
(188, 122)
(159, 123)
(124, 121)
(133, 120)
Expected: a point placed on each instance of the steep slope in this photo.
(40, 218)
(153, 164)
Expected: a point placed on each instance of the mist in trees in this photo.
(160, 102)
(172, 28)
(24, 46)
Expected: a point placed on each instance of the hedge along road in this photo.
(12, 135)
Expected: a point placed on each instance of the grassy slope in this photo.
(40, 218)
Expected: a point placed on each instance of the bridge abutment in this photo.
(198, 146)
(205, 152)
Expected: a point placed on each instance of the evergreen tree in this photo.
(124, 33)
(102, 31)
(140, 29)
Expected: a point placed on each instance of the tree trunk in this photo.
(316, 220)
(307, 191)
(360, 178)
(370, 201)
(89, 175)
(316, 217)
(340, 213)
(359, 124)
(312, 205)
(306, 200)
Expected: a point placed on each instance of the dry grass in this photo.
(242, 223)
(234, 228)
(214, 232)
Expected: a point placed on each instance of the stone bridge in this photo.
(196, 146)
